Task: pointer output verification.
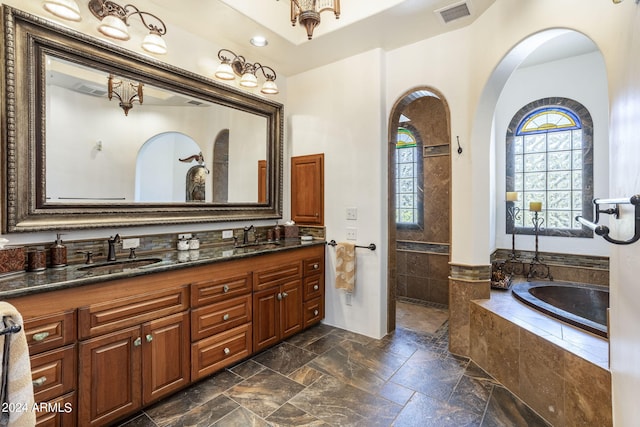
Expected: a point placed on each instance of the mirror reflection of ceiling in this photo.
(91, 82)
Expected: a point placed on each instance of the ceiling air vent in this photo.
(90, 90)
(453, 12)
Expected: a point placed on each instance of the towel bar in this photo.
(371, 247)
(603, 230)
(10, 326)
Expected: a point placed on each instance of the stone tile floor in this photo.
(327, 376)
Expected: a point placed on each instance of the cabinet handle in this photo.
(316, 287)
(40, 336)
(315, 312)
(284, 295)
(316, 266)
(149, 337)
(39, 382)
(137, 342)
(226, 350)
(225, 288)
(279, 296)
(225, 317)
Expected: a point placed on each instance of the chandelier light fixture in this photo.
(307, 12)
(126, 92)
(114, 20)
(236, 65)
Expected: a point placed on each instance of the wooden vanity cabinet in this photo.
(52, 348)
(101, 352)
(313, 290)
(124, 364)
(221, 318)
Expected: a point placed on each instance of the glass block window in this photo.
(549, 160)
(407, 174)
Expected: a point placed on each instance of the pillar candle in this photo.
(535, 206)
(512, 196)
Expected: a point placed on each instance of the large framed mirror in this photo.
(98, 136)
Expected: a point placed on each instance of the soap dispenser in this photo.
(58, 253)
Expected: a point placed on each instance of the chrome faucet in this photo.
(111, 256)
(245, 234)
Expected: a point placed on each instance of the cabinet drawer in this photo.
(111, 316)
(216, 318)
(54, 373)
(313, 311)
(59, 412)
(220, 288)
(50, 331)
(275, 276)
(313, 265)
(219, 351)
(313, 287)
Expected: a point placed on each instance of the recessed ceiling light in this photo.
(259, 41)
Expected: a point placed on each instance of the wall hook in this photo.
(459, 147)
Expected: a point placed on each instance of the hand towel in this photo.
(346, 266)
(19, 385)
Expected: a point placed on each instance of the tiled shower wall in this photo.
(423, 253)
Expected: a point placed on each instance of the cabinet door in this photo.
(110, 378)
(266, 318)
(58, 412)
(291, 309)
(307, 189)
(165, 356)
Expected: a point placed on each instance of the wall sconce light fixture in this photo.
(114, 20)
(126, 92)
(65, 9)
(237, 65)
(307, 12)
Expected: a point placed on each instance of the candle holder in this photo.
(538, 269)
(512, 264)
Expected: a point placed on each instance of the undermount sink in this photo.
(119, 266)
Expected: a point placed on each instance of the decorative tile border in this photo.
(413, 246)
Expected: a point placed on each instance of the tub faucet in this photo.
(111, 256)
(245, 234)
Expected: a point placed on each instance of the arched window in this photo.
(550, 160)
(408, 173)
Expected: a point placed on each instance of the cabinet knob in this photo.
(149, 337)
(284, 295)
(279, 296)
(226, 350)
(225, 288)
(316, 287)
(39, 382)
(315, 312)
(225, 317)
(40, 336)
(316, 266)
(137, 342)
(317, 214)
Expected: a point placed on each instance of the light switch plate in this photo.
(352, 213)
(352, 233)
(227, 234)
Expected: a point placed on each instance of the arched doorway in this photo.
(419, 200)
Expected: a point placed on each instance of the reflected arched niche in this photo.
(160, 176)
(220, 169)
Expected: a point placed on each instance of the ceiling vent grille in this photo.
(456, 11)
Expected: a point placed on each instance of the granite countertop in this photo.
(50, 279)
